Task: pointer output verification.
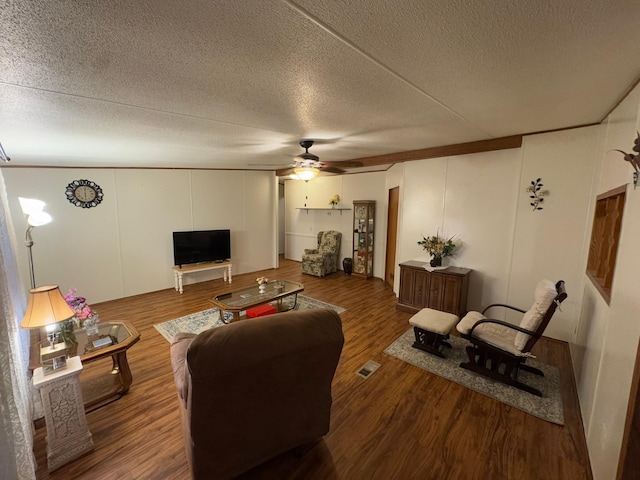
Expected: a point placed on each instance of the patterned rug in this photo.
(201, 321)
(549, 407)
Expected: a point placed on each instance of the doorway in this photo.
(629, 462)
(392, 236)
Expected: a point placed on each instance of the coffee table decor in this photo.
(200, 321)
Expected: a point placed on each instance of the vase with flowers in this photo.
(85, 317)
(333, 201)
(262, 283)
(438, 247)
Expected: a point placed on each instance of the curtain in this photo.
(16, 433)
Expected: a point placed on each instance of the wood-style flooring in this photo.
(401, 423)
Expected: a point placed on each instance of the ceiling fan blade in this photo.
(309, 157)
(283, 172)
(344, 163)
(331, 169)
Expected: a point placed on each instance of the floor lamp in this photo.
(32, 209)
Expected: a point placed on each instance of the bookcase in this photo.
(364, 214)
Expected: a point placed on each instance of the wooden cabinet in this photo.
(364, 217)
(444, 290)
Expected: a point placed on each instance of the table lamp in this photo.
(47, 307)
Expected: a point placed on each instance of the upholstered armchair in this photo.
(324, 259)
(254, 389)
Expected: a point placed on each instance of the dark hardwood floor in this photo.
(400, 423)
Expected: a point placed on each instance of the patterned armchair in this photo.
(324, 259)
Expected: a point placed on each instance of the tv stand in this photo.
(180, 270)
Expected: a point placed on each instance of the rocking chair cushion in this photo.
(494, 334)
(544, 295)
(434, 321)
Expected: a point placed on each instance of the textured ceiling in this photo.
(231, 84)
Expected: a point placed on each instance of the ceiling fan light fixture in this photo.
(306, 173)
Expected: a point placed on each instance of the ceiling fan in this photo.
(310, 164)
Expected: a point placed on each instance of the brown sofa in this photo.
(256, 388)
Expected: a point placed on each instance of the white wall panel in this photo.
(617, 359)
(367, 186)
(303, 225)
(80, 247)
(297, 242)
(605, 348)
(587, 352)
(258, 237)
(621, 132)
(124, 246)
(151, 205)
(550, 243)
(479, 209)
(217, 200)
(217, 203)
(422, 207)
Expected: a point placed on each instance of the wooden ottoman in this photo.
(431, 328)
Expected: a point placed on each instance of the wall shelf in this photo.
(338, 209)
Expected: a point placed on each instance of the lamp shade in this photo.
(30, 205)
(306, 173)
(38, 219)
(46, 306)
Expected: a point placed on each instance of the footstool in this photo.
(261, 311)
(431, 328)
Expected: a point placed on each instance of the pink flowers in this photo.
(79, 305)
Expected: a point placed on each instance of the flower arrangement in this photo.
(438, 248)
(333, 201)
(79, 305)
(262, 280)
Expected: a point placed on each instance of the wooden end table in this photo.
(113, 340)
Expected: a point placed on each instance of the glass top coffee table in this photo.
(246, 298)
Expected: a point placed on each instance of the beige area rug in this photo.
(549, 407)
(206, 319)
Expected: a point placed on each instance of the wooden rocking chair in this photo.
(499, 349)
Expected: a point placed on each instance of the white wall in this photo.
(481, 199)
(472, 197)
(281, 217)
(302, 225)
(605, 347)
(551, 242)
(123, 246)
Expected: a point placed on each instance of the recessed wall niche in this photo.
(605, 237)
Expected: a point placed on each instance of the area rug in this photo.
(201, 321)
(549, 407)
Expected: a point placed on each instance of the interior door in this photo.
(392, 236)
(629, 462)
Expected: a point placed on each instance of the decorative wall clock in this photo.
(84, 193)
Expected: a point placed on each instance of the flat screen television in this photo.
(201, 246)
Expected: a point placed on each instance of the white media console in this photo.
(178, 272)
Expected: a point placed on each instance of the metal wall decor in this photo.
(633, 159)
(537, 194)
(3, 155)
